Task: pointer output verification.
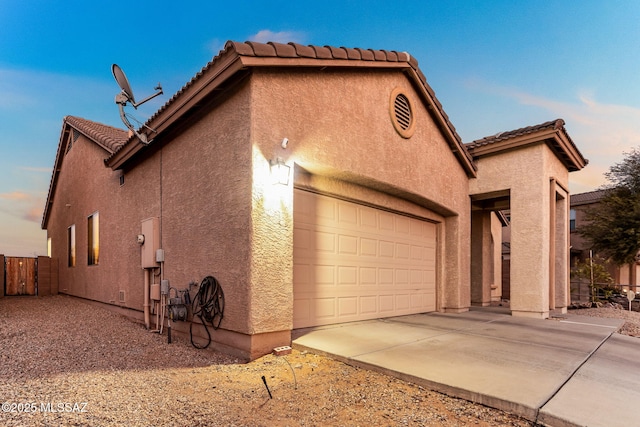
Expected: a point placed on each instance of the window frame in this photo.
(71, 246)
(572, 219)
(93, 239)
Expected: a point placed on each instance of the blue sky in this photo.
(494, 65)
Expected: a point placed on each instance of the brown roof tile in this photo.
(322, 52)
(109, 137)
(241, 48)
(284, 50)
(338, 52)
(587, 198)
(304, 51)
(352, 53)
(501, 136)
(260, 49)
(379, 55)
(366, 54)
(392, 56)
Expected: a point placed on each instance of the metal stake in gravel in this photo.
(264, 380)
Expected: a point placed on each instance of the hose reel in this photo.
(208, 306)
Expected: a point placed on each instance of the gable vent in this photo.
(402, 113)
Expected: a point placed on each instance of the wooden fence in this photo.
(28, 276)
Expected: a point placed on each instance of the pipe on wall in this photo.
(147, 322)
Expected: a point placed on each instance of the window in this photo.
(71, 246)
(572, 219)
(93, 233)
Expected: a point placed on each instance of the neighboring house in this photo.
(627, 275)
(382, 210)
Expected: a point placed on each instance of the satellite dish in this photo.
(122, 81)
(126, 96)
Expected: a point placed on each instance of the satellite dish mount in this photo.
(126, 96)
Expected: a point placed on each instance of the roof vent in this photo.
(402, 113)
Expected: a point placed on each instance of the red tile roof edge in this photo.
(295, 50)
(109, 137)
(501, 136)
(587, 197)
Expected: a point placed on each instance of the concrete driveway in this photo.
(570, 370)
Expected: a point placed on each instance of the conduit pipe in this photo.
(147, 321)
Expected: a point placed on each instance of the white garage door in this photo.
(354, 262)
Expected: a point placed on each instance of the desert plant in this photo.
(594, 269)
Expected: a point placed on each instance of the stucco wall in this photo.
(86, 186)
(338, 125)
(206, 205)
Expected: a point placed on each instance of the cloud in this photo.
(23, 205)
(15, 195)
(35, 169)
(603, 132)
(264, 36)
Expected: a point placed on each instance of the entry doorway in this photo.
(487, 223)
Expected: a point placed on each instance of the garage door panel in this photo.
(368, 276)
(355, 262)
(347, 306)
(324, 275)
(324, 242)
(369, 220)
(324, 308)
(386, 249)
(368, 247)
(386, 221)
(403, 303)
(347, 245)
(347, 215)
(347, 275)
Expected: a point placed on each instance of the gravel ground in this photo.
(64, 362)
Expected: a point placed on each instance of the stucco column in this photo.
(530, 251)
(481, 258)
(456, 288)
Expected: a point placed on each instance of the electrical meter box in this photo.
(151, 244)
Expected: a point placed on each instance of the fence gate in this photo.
(20, 276)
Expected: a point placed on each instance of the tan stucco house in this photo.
(376, 215)
(626, 276)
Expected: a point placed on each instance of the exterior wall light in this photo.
(279, 171)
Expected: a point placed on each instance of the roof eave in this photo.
(240, 56)
(64, 133)
(557, 139)
(212, 78)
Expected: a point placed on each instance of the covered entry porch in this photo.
(524, 173)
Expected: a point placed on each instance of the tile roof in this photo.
(109, 137)
(295, 50)
(293, 54)
(587, 198)
(557, 124)
(552, 132)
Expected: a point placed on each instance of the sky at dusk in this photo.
(494, 65)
